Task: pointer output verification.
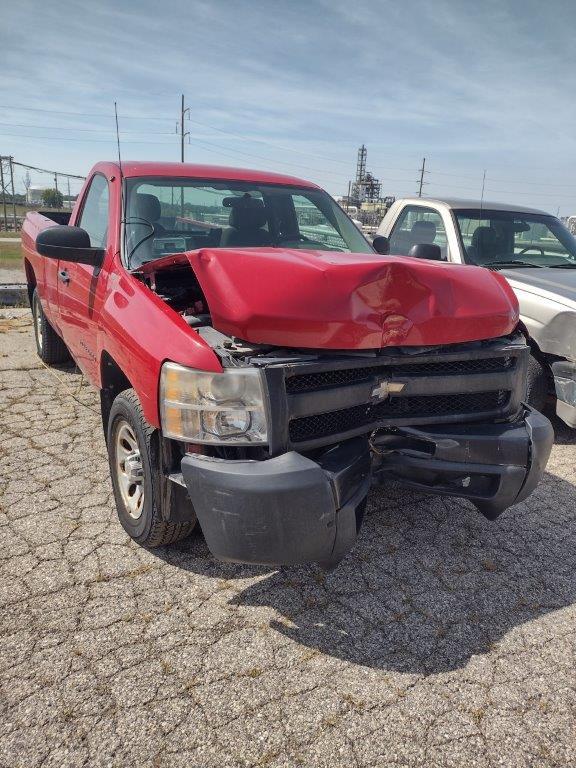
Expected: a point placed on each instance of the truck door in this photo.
(79, 292)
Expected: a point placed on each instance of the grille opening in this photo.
(308, 382)
(424, 406)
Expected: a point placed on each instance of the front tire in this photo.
(49, 346)
(537, 384)
(134, 457)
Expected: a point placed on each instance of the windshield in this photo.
(509, 238)
(172, 215)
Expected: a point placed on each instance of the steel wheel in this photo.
(129, 469)
(138, 480)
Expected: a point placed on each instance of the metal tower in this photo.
(361, 164)
(7, 189)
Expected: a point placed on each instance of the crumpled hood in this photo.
(330, 300)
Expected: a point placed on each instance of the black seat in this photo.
(144, 208)
(148, 207)
(484, 246)
(423, 232)
(247, 219)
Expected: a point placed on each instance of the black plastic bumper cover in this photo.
(284, 511)
(291, 510)
(494, 465)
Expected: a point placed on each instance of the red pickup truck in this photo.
(260, 365)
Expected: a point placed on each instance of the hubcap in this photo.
(129, 469)
(38, 322)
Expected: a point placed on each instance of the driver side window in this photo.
(415, 225)
(94, 215)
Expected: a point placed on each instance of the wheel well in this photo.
(30, 279)
(113, 381)
(544, 360)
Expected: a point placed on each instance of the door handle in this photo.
(63, 276)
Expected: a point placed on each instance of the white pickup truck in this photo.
(535, 252)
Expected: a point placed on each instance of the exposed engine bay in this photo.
(178, 286)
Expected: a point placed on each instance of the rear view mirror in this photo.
(521, 226)
(426, 251)
(69, 244)
(381, 245)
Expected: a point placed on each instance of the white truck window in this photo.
(415, 225)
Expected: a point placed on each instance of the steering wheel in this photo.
(532, 248)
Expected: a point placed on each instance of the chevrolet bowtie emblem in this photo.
(386, 388)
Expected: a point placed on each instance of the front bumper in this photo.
(564, 372)
(291, 510)
(285, 511)
(493, 465)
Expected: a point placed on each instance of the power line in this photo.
(88, 130)
(243, 137)
(226, 152)
(87, 140)
(246, 137)
(81, 114)
(495, 191)
(45, 170)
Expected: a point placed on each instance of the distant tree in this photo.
(52, 198)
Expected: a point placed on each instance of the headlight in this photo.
(224, 408)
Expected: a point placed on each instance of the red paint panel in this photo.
(327, 300)
(139, 331)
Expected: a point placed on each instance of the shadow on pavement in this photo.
(430, 582)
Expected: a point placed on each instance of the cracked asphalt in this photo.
(442, 640)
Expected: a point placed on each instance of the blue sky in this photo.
(297, 86)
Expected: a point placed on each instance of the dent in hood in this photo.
(328, 300)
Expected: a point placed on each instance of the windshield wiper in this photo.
(511, 263)
(561, 266)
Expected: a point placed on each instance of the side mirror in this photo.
(69, 244)
(426, 251)
(381, 245)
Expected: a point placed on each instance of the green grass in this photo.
(10, 255)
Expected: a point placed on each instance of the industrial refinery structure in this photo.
(364, 201)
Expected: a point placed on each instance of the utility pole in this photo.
(422, 172)
(183, 133)
(3, 187)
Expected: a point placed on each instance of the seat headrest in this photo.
(484, 238)
(247, 213)
(147, 206)
(423, 231)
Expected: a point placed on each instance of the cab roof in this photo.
(476, 205)
(131, 168)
